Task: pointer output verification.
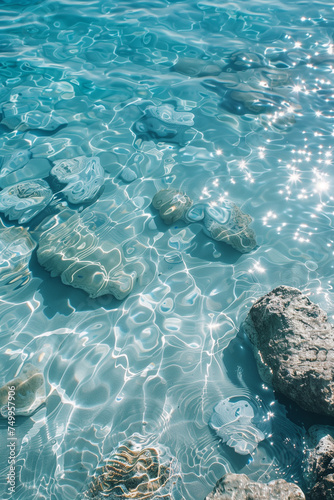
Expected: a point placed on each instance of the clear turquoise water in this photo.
(157, 363)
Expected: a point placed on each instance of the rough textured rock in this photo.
(240, 487)
(323, 489)
(319, 470)
(293, 343)
(320, 443)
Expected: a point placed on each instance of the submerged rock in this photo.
(232, 422)
(128, 175)
(195, 67)
(319, 469)
(36, 168)
(25, 200)
(226, 222)
(136, 473)
(28, 389)
(250, 102)
(172, 204)
(243, 60)
(20, 117)
(71, 249)
(28, 107)
(223, 221)
(323, 489)
(293, 343)
(15, 161)
(16, 247)
(240, 487)
(84, 178)
(163, 123)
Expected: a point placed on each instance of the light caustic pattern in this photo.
(104, 104)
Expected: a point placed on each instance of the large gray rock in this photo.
(323, 489)
(319, 470)
(240, 487)
(293, 344)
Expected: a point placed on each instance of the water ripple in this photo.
(224, 102)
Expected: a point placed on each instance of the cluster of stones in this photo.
(223, 221)
(247, 98)
(293, 344)
(292, 340)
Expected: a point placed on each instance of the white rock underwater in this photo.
(28, 389)
(70, 248)
(16, 247)
(232, 422)
(84, 178)
(25, 200)
(14, 162)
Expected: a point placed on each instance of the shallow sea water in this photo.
(256, 128)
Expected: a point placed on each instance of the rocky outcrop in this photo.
(240, 487)
(319, 470)
(293, 344)
(324, 489)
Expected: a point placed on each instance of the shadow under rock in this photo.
(210, 250)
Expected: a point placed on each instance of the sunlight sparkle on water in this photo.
(257, 268)
(294, 177)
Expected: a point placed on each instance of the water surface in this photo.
(242, 99)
